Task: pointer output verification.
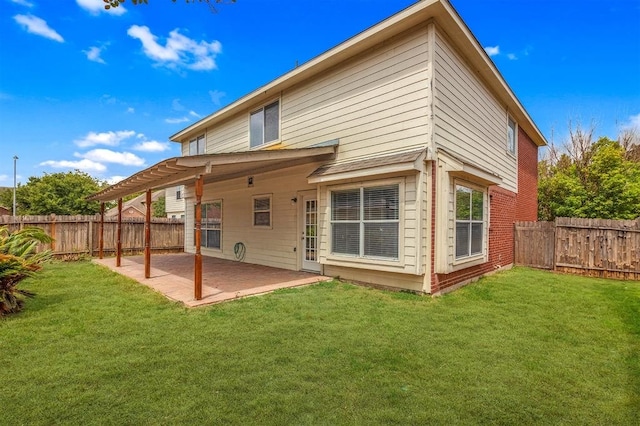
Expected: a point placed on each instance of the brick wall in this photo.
(505, 207)
(527, 199)
(501, 217)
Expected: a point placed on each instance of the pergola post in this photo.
(147, 238)
(119, 234)
(101, 236)
(197, 280)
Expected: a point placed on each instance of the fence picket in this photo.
(593, 247)
(79, 234)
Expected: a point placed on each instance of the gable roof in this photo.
(440, 11)
(137, 203)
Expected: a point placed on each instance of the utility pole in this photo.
(15, 160)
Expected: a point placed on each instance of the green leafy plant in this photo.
(19, 260)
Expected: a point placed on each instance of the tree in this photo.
(160, 207)
(115, 3)
(591, 180)
(59, 193)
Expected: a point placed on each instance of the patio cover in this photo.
(214, 168)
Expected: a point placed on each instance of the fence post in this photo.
(53, 232)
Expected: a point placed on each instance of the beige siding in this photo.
(371, 276)
(374, 103)
(469, 121)
(271, 247)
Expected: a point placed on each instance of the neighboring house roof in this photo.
(444, 15)
(137, 203)
(4, 211)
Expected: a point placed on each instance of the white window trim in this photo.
(273, 142)
(340, 259)
(513, 153)
(480, 258)
(253, 211)
(210, 249)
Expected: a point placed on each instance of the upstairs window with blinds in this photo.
(365, 222)
(264, 125)
(197, 145)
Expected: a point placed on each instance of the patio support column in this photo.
(147, 238)
(101, 236)
(197, 280)
(119, 234)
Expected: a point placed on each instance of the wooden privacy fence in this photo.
(593, 247)
(78, 235)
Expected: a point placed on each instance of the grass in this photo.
(520, 347)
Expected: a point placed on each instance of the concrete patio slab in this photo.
(222, 280)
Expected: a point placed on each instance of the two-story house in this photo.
(400, 157)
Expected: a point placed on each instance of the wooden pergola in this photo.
(198, 170)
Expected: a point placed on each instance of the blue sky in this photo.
(103, 91)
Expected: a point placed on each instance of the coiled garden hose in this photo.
(239, 251)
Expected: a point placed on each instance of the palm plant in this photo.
(19, 260)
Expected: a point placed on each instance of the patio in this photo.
(222, 280)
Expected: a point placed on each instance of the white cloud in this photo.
(179, 51)
(176, 105)
(152, 146)
(34, 25)
(492, 50)
(95, 7)
(633, 122)
(105, 138)
(108, 156)
(115, 179)
(176, 120)
(85, 165)
(194, 114)
(130, 110)
(512, 56)
(93, 54)
(4, 178)
(216, 96)
(22, 3)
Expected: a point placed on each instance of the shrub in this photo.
(19, 260)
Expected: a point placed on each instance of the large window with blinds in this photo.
(365, 221)
(470, 222)
(264, 125)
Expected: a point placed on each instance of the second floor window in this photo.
(511, 136)
(264, 125)
(197, 145)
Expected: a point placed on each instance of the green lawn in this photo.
(521, 347)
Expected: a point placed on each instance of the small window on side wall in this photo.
(470, 222)
(262, 211)
(511, 136)
(264, 125)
